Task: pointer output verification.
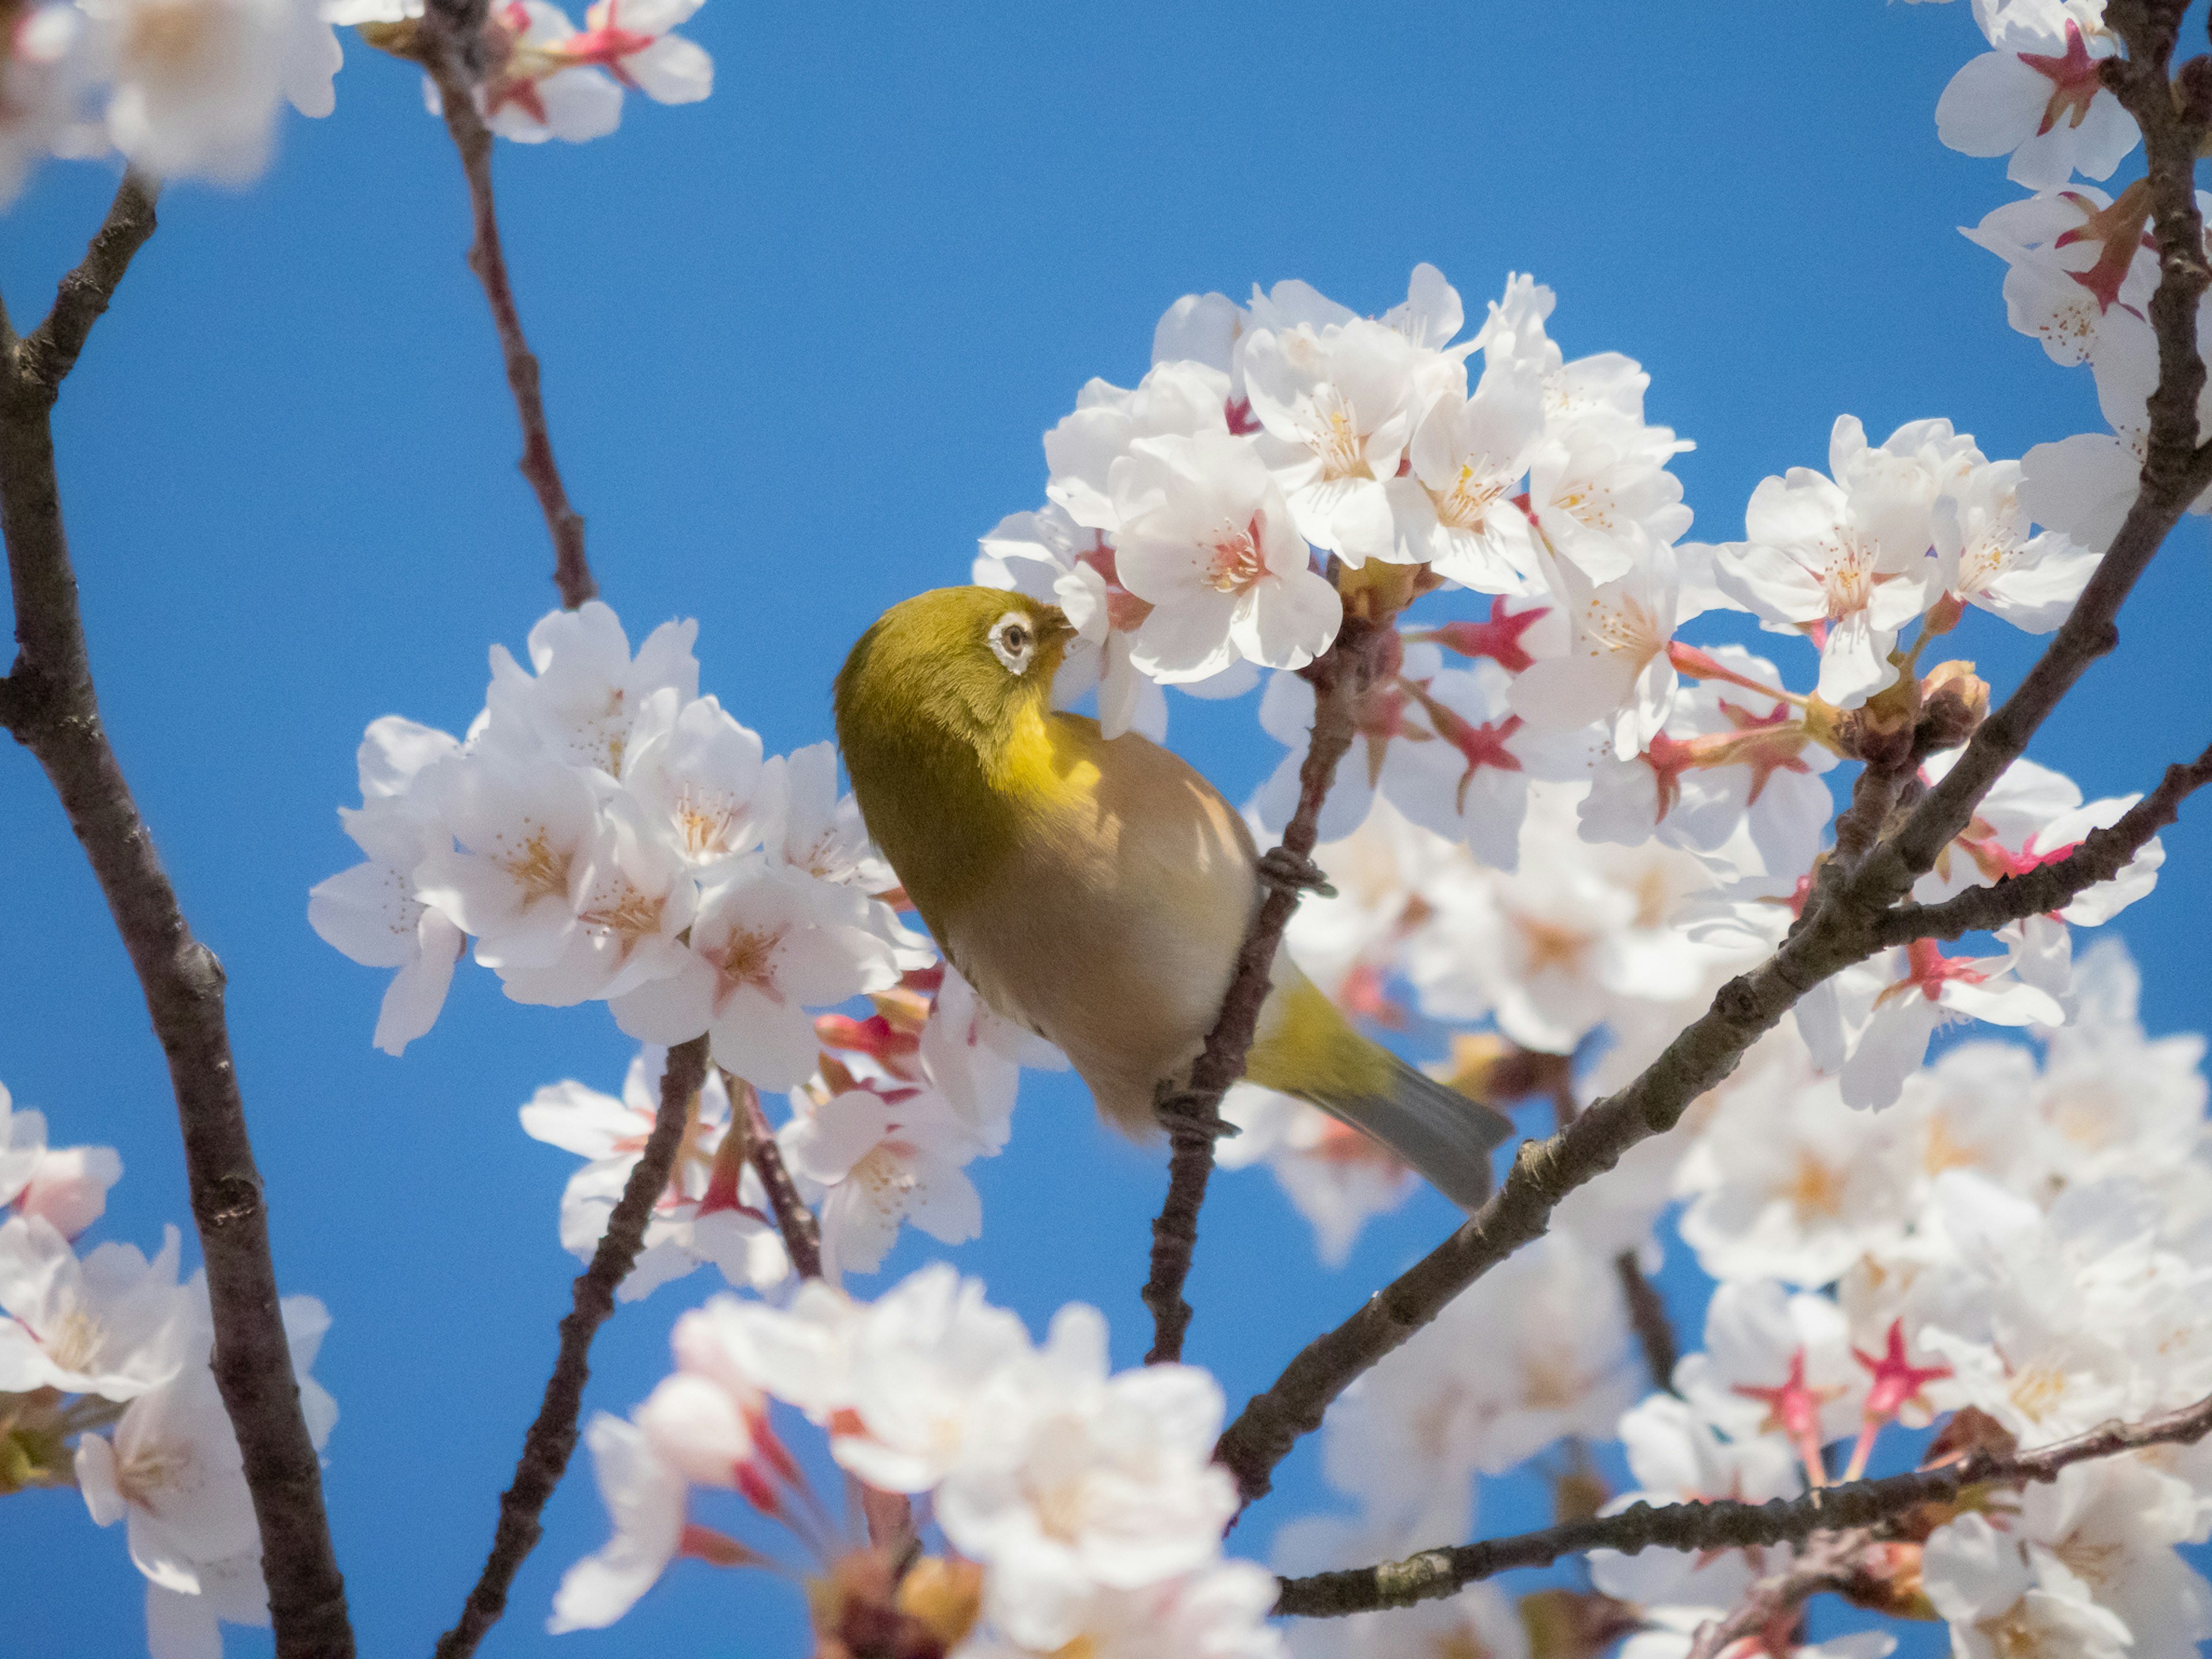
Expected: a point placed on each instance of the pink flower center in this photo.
(1237, 562)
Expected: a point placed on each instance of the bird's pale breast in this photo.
(1112, 928)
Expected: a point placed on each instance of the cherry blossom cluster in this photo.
(194, 88)
(878, 1139)
(1185, 534)
(2016, 1251)
(606, 834)
(105, 1385)
(1079, 1510)
(1184, 518)
(2079, 263)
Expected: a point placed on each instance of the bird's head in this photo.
(966, 663)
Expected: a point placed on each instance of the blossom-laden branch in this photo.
(802, 1233)
(1192, 1116)
(1845, 920)
(552, 1438)
(2101, 855)
(1724, 1524)
(51, 709)
(443, 51)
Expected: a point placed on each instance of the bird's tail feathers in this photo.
(1444, 1136)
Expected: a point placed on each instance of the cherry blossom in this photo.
(1208, 541)
(873, 1160)
(1734, 752)
(66, 1187)
(582, 698)
(173, 1472)
(1218, 1612)
(374, 913)
(1871, 1023)
(1338, 404)
(1775, 1363)
(632, 40)
(713, 1209)
(2078, 267)
(1175, 399)
(2037, 96)
(702, 777)
(766, 944)
(1600, 491)
(1616, 672)
(1072, 1481)
(525, 835)
(2031, 817)
(2084, 485)
(109, 1324)
(1537, 1349)
(1575, 935)
(2003, 1604)
(1847, 557)
(1455, 507)
(1786, 1182)
(197, 86)
(1994, 564)
(645, 1497)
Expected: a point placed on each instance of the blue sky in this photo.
(799, 344)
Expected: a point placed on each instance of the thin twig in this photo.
(1830, 1561)
(802, 1234)
(1722, 1523)
(551, 1440)
(1844, 924)
(1192, 1116)
(1647, 1317)
(443, 56)
(2101, 855)
(53, 711)
(45, 358)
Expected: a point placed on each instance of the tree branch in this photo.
(53, 711)
(1722, 1523)
(551, 1440)
(444, 37)
(2101, 855)
(802, 1234)
(1844, 921)
(43, 361)
(1647, 1316)
(1192, 1116)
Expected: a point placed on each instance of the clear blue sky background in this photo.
(799, 344)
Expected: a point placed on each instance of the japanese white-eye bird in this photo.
(1096, 890)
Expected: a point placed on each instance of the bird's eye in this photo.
(1013, 641)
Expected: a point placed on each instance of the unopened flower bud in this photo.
(1953, 700)
(946, 1596)
(1494, 1072)
(1378, 590)
(397, 38)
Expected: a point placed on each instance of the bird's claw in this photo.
(1179, 1116)
(1284, 870)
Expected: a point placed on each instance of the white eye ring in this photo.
(1013, 641)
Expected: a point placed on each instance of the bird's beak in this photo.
(1056, 619)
